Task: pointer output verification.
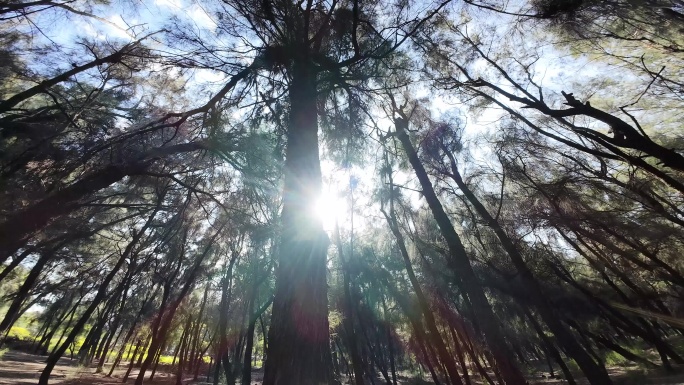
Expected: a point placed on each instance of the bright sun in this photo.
(330, 208)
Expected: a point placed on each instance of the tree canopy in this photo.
(343, 191)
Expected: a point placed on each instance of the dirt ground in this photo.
(17, 368)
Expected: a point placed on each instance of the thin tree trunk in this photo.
(458, 262)
(348, 317)
(247, 361)
(183, 348)
(99, 296)
(595, 373)
(140, 356)
(12, 312)
(550, 349)
(434, 336)
(122, 349)
(165, 324)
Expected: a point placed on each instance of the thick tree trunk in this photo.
(458, 262)
(299, 339)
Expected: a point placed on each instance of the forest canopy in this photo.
(343, 191)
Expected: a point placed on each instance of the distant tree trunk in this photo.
(93, 338)
(217, 369)
(196, 330)
(102, 353)
(185, 341)
(348, 317)
(247, 361)
(122, 349)
(44, 343)
(551, 350)
(621, 322)
(299, 321)
(414, 318)
(153, 293)
(264, 334)
(140, 356)
(99, 296)
(160, 337)
(157, 357)
(202, 354)
(390, 345)
(222, 356)
(459, 353)
(13, 310)
(620, 350)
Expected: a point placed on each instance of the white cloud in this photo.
(208, 76)
(201, 18)
(177, 4)
(124, 25)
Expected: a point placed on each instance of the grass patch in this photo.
(19, 333)
(613, 359)
(165, 360)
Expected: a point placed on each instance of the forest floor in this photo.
(17, 368)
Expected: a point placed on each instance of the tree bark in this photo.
(299, 338)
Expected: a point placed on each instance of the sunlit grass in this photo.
(19, 333)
